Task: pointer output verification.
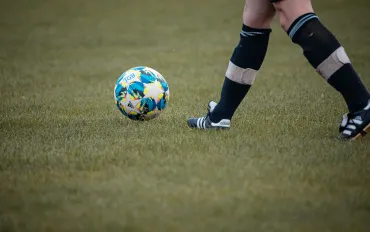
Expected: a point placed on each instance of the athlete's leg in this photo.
(258, 14)
(324, 53)
(245, 61)
(290, 10)
(247, 57)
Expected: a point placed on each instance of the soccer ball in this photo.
(141, 93)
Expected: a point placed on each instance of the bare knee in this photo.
(290, 10)
(258, 14)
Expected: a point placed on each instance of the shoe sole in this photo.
(209, 128)
(360, 135)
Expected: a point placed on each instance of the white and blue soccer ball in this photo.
(141, 93)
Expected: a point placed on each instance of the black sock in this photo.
(348, 83)
(232, 94)
(320, 45)
(245, 61)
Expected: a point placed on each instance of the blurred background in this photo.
(69, 161)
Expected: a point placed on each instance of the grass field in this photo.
(70, 162)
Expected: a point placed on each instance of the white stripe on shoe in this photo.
(352, 127)
(347, 132)
(367, 107)
(358, 122)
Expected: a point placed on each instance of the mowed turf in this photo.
(69, 161)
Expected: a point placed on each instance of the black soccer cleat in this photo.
(355, 125)
(206, 123)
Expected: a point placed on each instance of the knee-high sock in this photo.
(246, 60)
(329, 58)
